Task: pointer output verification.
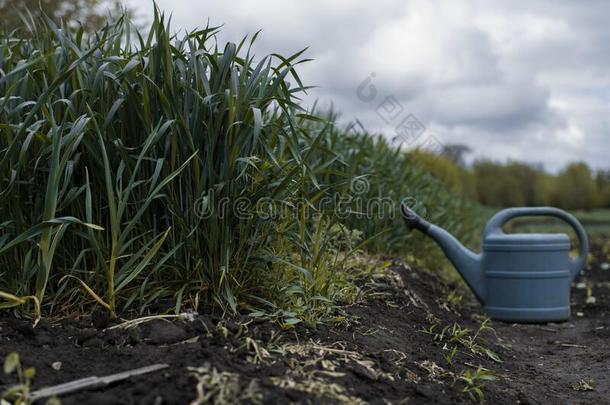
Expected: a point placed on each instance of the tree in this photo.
(495, 187)
(90, 13)
(575, 188)
(529, 182)
(439, 167)
(602, 183)
(456, 153)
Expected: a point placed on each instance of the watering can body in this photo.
(516, 277)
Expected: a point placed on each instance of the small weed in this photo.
(451, 355)
(474, 342)
(584, 385)
(20, 393)
(454, 298)
(474, 382)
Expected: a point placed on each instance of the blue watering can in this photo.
(517, 277)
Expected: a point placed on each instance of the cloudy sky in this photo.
(513, 80)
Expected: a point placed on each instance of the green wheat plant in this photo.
(132, 162)
(112, 141)
(375, 176)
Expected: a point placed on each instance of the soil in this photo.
(395, 346)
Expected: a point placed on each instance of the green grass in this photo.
(378, 173)
(131, 165)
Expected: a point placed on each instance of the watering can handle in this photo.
(495, 226)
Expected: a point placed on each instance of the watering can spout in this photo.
(467, 263)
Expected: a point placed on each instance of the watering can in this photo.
(522, 277)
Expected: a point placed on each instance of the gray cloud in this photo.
(519, 80)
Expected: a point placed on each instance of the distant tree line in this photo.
(91, 14)
(496, 184)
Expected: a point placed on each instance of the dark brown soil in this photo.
(390, 348)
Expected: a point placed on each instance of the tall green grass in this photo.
(374, 176)
(131, 164)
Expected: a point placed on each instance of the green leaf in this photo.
(29, 373)
(11, 363)
(292, 321)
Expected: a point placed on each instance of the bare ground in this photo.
(412, 339)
